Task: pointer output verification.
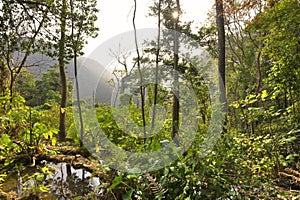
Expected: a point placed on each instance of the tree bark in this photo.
(156, 64)
(3, 78)
(175, 115)
(142, 90)
(221, 50)
(61, 62)
(75, 54)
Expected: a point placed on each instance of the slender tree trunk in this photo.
(78, 98)
(156, 65)
(142, 91)
(75, 53)
(221, 57)
(3, 78)
(221, 49)
(61, 62)
(11, 85)
(259, 73)
(175, 115)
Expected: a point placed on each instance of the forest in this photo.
(185, 112)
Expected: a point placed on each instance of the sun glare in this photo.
(175, 14)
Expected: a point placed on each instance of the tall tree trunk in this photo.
(156, 65)
(221, 49)
(78, 97)
(221, 57)
(142, 91)
(61, 62)
(75, 54)
(175, 115)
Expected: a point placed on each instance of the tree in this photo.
(221, 49)
(156, 63)
(4, 78)
(142, 87)
(26, 87)
(50, 86)
(175, 115)
(61, 64)
(282, 50)
(79, 31)
(21, 29)
(76, 20)
(168, 13)
(245, 66)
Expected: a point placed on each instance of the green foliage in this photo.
(26, 87)
(45, 90)
(262, 130)
(23, 128)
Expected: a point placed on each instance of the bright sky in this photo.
(115, 17)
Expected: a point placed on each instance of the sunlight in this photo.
(175, 15)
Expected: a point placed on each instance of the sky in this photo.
(115, 17)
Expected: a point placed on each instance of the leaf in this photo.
(6, 141)
(40, 177)
(45, 169)
(117, 181)
(48, 135)
(53, 141)
(132, 176)
(8, 161)
(291, 139)
(62, 110)
(291, 156)
(128, 195)
(43, 188)
(250, 96)
(264, 94)
(235, 105)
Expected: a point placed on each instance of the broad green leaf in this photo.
(128, 195)
(6, 141)
(117, 181)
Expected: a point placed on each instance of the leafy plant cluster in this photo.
(23, 128)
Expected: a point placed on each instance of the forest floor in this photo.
(285, 186)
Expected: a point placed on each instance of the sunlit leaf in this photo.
(264, 94)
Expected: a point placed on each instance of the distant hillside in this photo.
(93, 78)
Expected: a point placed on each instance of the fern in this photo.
(155, 187)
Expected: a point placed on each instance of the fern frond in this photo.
(156, 187)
